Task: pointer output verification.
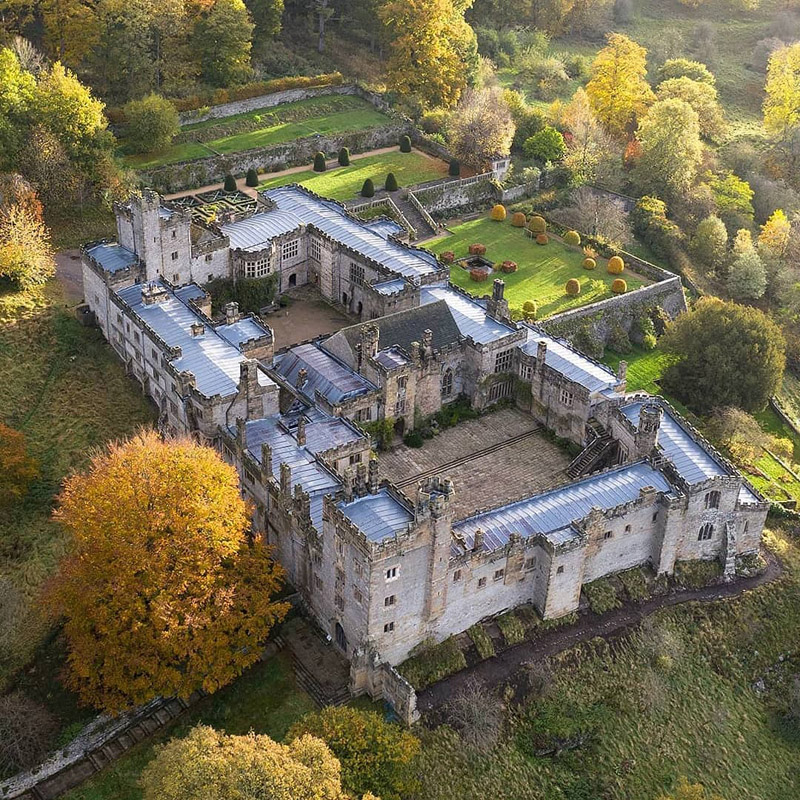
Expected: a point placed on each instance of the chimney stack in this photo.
(301, 431)
(477, 544)
(231, 313)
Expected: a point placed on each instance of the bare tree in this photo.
(26, 733)
(477, 715)
(596, 214)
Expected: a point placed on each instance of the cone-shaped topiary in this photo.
(344, 157)
(455, 168)
(368, 189)
(405, 144)
(537, 224)
(252, 178)
(391, 183)
(615, 265)
(619, 286)
(589, 263)
(230, 183)
(542, 238)
(477, 249)
(573, 287)
(518, 220)
(319, 162)
(573, 238)
(498, 213)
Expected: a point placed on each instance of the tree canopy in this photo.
(161, 591)
(17, 468)
(481, 127)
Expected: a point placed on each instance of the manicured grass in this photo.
(344, 183)
(543, 270)
(645, 367)
(266, 699)
(336, 114)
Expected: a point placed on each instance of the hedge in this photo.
(433, 663)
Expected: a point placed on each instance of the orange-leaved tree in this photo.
(162, 590)
(17, 468)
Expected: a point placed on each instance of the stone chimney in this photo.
(497, 305)
(541, 355)
(347, 484)
(266, 459)
(373, 475)
(153, 293)
(477, 543)
(301, 431)
(198, 329)
(241, 432)
(361, 479)
(286, 479)
(416, 352)
(302, 377)
(646, 437)
(368, 346)
(622, 373)
(231, 313)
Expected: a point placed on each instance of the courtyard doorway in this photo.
(341, 639)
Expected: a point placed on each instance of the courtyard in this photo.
(496, 459)
(306, 317)
(543, 270)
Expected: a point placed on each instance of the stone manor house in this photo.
(383, 572)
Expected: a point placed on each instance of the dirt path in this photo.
(70, 275)
(500, 668)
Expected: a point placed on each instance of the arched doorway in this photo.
(293, 279)
(360, 308)
(345, 298)
(341, 639)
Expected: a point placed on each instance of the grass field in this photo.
(344, 183)
(645, 368)
(318, 115)
(543, 270)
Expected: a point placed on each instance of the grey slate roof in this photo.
(391, 358)
(331, 219)
(469, 315)
(255, 233)
(553, 512)
(242, 331)
(325, 374)
(570, 363)
(112, 256)
(385, 227)
(389, 287)
(379, 516)
(331, 432)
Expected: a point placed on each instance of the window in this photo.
(499, 390)
(566, 397)
(400, 407)
(136, 336)
(339, 546)
(356, 274)
(209, 278)
(175, 277)
(355, 459)
(706, 532)
(315, 250)
(560, 570)
(525, 372)
(746, 527)
(627, 529)
(481, 583)
(388, 627)
(339, 576)
(173, 234)
(209, 257)
(154, 353)
(290, 250)
(363, 415)
(608, 535)
(318, 582)
(119, 319)
(457, 576)
(391, 573)
(655, 516)
(447, 382)
(530, 563)
(502, 361)
(498, 574)
(359, 598)
(712, 500)
(258, 268)
(388, 601)
(402, 382)
(358, 568)
(174, 255)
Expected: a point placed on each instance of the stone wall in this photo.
(451, 196)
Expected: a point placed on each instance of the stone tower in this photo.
(147, 230)
(647, 432)
(433, 503)
(497, 305)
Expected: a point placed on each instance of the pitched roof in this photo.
(469, 314)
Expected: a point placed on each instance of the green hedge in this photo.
(482, 641)
(433, 663)
(511, 627)
(602, 596)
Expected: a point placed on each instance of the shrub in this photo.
(477, 716)
(511, 627)
(573, 287)
(150, 124)
(537, 224)
(252, 178)
(455, 168)
(482, 641)
(17, 469)
(529, 309)
(252, 294)
(542, 238)
(344, 157)
(546, 145)
(615, 265)
(618, 339)
(635, 584)
(368, 189)
(589, 263)
(573, 238)
(405, 144)
(27, 729)
(413, 439)
(391, 183)
(518, 220)
(602, 596)
(619, 286)
(498, 212)
(448, 257)
(319, 162)
(508, 267)
(433, 663)
(477, 249)
(696, 574)
(229, 185)
(478, 275)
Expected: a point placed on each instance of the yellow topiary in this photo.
(573, 286)
(615, 265)
(518, 220)
(537, 224)
(541, 238)
(573, 238)
(619, 286)
(499, 213)
(589, 263)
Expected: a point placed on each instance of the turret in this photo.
(646, 437)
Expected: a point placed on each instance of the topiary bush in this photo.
(368, 189)
(573, 287)
(619, 286)
(615, 265)
(229, 184)
(518, 220)
(478, 275)
(405, 144)
(529, 309)
(477, 249)
(589, 263)
(498, 213)
(508, 267)
(391, 183)
(455, 169)
(537, 224)
(344, 157)
(252, 178)
(573, 238)
(319, 162)
(542, 238)
(448, 257)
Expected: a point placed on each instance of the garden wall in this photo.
(451, 196)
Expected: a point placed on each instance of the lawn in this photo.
(344, 183)
(543, 269)
(645, 368)
(318, 115)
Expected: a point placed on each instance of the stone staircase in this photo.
(415, 218)
(596, 453)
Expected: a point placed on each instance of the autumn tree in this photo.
(71, 29)
(481, 127)
(782, 106)
(374, 755)
(17, 92)
(215, 766)
(775, 237)
(690, 791)
(17, 469)
(161, 590)
(266, 16)
(726, 355)
(618, 91)
(588, 145)
(733, 198)
(709, 245)
(223, 39)
(150, 124)
(674, 68)
(702, 97)
(430, 49)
